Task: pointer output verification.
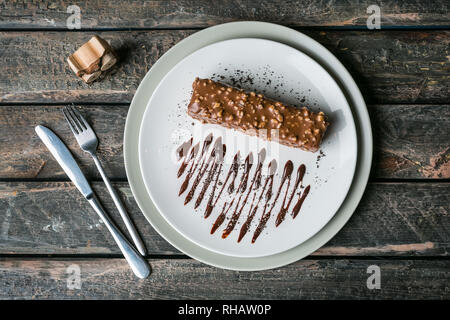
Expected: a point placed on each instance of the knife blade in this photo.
(65, 159)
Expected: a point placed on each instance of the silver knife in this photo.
(59, 150)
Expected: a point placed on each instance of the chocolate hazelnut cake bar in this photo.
(253, 114)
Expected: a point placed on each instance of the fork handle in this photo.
(123, 213)
(137, 263)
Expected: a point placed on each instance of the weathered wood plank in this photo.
(53, 218)
(50, 79)
(188, 14)
(389, 66)
(25, 156)
(395, 66)
(189, 279)
(411, 141)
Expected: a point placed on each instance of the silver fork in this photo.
(88, 142)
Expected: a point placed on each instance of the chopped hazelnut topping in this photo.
(280, 117)
(229, 117)
(256, 115)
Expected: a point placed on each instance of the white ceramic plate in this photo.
(229, 31)
(280, 72)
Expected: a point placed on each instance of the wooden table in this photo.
(402, 224)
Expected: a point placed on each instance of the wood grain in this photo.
(411, 141)
(25, 156)
(402, 227)
(389, 66)
(400, 219)
(189, 14)
(189, 279)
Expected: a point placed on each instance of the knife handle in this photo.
(137, 263)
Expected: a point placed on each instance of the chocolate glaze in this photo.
(240, 190)
(288, 167)
(281, 215)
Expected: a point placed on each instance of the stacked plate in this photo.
(283, 64)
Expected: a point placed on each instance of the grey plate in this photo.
(247, 30)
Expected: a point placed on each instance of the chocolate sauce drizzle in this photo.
(200, 163)
(194, 163)
(299, 203)
(288, 167)
(300, 173)
(215, 167)
(233, 170)
(182, 155)
(240, 190)
(203, 167)
(183, 149)
(254, 208)
(237, 213)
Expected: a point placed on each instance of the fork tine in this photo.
(75, 118)
(69, 121)
(83, 120)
